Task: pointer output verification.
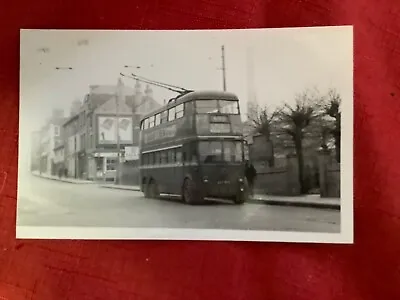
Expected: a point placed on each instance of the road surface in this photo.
(44, 202)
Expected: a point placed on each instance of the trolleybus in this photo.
(193, 146)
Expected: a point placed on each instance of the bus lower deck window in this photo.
(157, 158)
(163, 155)
(178, 156)
(171, 156)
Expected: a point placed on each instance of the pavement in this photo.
(53, 203)
(300, 201)
(63, 179)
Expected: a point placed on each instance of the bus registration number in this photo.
(220, 128)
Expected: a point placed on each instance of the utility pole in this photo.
(137, 101)
(223, 67)
(118, 97)
(251, 89)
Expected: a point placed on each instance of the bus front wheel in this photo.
(242, 196)
(190, 193)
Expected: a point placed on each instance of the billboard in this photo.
(107, 130)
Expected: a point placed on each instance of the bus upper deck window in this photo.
(151, 121)
(229, 107)
(171, 114)
(206, 106)
(164, 117)
(158, 119)
(146, 123)
(179, 111)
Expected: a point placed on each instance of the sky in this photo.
(286, 62)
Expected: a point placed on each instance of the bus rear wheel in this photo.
(152, 190)
(190, 194)
(145, 189)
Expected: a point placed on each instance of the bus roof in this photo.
(193, 95)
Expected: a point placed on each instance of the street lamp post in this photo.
(134, 104)
(74, 154)
(223, 67)
(119, 96)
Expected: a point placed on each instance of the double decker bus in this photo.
(194, 147)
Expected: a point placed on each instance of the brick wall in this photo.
(278, 180)
(329, 172)
(129, 173)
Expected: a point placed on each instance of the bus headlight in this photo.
(240, 179)
(205, 179)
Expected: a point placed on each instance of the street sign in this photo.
(131, 153)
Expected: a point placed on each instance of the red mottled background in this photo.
(369, 269)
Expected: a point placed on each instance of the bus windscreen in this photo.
(217, 106)
(220, 151)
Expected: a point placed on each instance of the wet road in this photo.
(44, 202)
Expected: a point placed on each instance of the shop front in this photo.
(102, 166)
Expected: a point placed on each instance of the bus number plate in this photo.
(220, 128)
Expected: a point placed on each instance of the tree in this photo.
(332, 109)
(261, 120)
(295, 120)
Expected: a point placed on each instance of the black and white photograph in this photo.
(229, 135)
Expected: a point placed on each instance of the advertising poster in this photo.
(108, 131)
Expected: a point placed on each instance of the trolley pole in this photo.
(117, 100)
(223, 67)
